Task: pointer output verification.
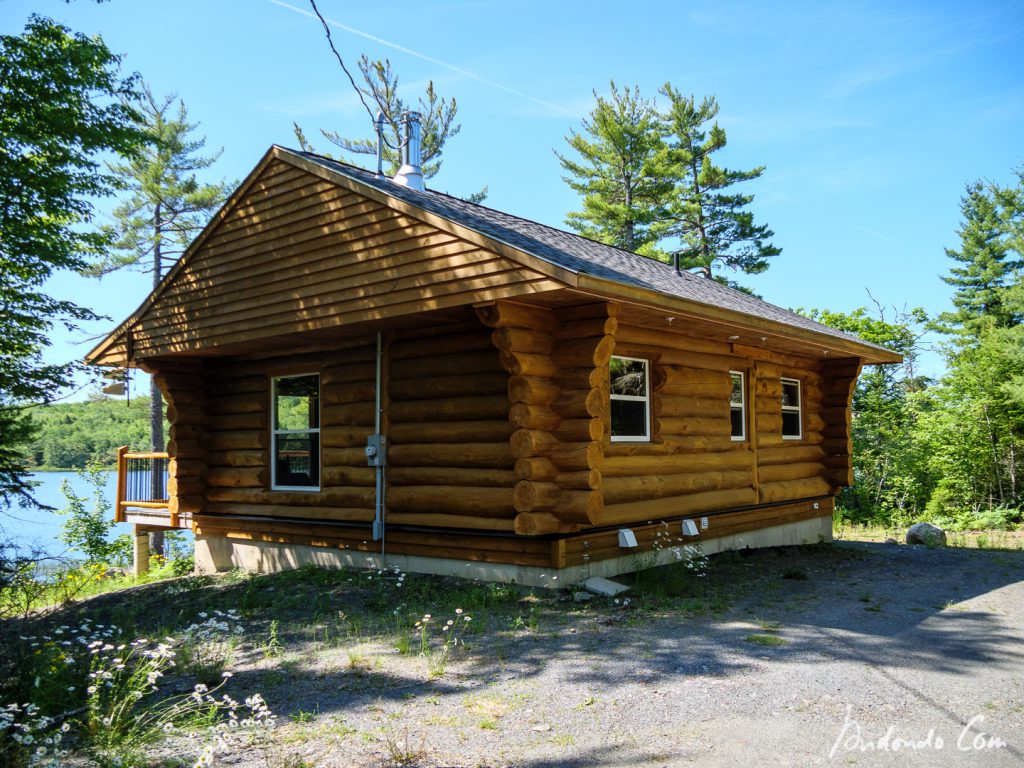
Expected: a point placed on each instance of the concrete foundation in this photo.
(219, 553)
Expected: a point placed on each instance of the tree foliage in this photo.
(75, 435)
(63, 105)
(649, 184)
(953, 450)
(621, 174)
(713, 225)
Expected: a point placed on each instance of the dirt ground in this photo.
(862, 654)
(854, 654)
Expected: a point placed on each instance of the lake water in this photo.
(40, 528)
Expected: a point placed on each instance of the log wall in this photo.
(450, 463)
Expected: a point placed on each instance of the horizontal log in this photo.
(713, 390)
(472, 341)
(582, 507)
(186, 398)
(541, 523)
(721, 363)
(684, 375)
(343, 457)
(770, 440)
(186, 467)
(536, 469)
(525, 416)
(669, 339)
(583, 480)
(340, 514)
(478, 501)
(455, 476)
(532, 442)
(774, 473)
(361, 497)
(424, 368)
(185, 486)
(692, 406)
(237, 459)
(185, 448)
(238, 441)
(187, 432)
(233, 422)
(503, 314)
(237, 477)
(618, 490)
(789, 490)
(351, 373)
(346, 476)
(345, 436)
(587, 327)
(439, 387)
(676, 506)
(530, 496)
(348, 392)
(185, 505)
(579, 404)
(768, 422)
(576, 457)
(580, 353)
(533, 390)
(788, 454)
(579, 430)
(527, 364)
(256, 402)
(696, 426)
(349, 415)
(481, 408)
(584, 378)
(449, 521)
(629, 466)
(773, 356)
(700, 444)
(486, 455)
(451, 432)
(247, 386)
(522, 340)
(186, 415)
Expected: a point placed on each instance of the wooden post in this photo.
(122, 484)
(140, 549)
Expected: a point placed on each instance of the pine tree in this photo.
(711, 223)
(989, 257)
(621, 172)
(165, 208)
(380, 89)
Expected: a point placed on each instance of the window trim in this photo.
(742, 437)
(797, 409)
(274, 432)
(645, 399)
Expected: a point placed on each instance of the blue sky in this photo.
(870, 116)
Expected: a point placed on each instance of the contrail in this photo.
(425, 57)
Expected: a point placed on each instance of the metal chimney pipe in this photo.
(411, 173)
(380, 142)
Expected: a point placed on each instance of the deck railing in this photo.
(141, 481)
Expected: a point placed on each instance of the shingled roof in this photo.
(579, 254)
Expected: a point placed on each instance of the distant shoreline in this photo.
(70, 469)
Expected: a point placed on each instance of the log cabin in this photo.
(360, 371)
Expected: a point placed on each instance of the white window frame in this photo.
(797, 409)
(742, 405)
(645, 399)
(274, 432)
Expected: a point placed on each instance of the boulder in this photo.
(891, 540)
(927, 534)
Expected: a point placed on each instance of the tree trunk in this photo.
(156, 403)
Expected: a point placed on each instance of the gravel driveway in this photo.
(873, 655)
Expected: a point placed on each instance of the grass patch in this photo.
(768, 641)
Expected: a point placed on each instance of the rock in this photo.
(604, 587)
(891, 540)
(927, 534)
(582, 597)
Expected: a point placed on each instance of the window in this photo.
(791, 429)
(630, 399)
(738, 407)
(295, 445)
